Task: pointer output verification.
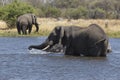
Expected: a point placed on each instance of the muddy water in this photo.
(18, 63)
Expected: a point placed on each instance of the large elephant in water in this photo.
(25, 22)
(87, 41)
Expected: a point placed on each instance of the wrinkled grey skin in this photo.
(25, 22)
(56, 48)
(77, 41)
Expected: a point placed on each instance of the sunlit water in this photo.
(18, 63)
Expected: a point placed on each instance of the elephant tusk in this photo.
(46, 47)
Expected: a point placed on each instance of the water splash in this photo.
(34, 51)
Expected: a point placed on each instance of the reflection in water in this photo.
(18, 63)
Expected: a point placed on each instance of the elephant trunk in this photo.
(44, 46)
(37, 27)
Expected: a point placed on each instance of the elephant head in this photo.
(53, 43)
(33, 18)
(34, 21)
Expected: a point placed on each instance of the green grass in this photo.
(114, 34)
(15, 34)
(12, 33)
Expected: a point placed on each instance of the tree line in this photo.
(71, 9)
(95, 9)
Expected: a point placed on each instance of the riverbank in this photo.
(111, 27)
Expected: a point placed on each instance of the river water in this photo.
(18, 63)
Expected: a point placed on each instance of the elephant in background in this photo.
(25, 22)
(77, 41)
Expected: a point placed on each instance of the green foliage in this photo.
(76, 13)
(97, 13)
(75, 9)
(50, 11)
(93, 8)
(10, 12)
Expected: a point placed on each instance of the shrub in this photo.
(50, 11)
(10, 12)
(76, 13)
(97, 13)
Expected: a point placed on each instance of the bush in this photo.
(97, 13)
(50, 11)
(76, 13)
(10, 12)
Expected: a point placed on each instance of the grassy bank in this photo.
(111, 27)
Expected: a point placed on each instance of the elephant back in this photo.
(22, 20)
(26, 18)
(95, 34)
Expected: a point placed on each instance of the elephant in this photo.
(77, 41)
(25, 22)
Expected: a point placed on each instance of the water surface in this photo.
(18, 63)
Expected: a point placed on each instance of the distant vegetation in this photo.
(10, 12)
(70, 9)
(75, 9)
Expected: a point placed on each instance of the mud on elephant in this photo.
(87, 41)
(25, 22)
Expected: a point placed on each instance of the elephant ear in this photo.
(60, 33)
(33, 18)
